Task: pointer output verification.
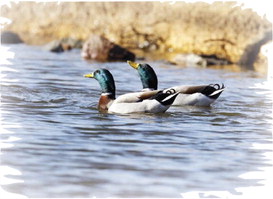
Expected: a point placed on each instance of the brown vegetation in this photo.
(222, 29)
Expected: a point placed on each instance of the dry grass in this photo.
(221, 28)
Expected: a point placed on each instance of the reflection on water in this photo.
(59, 145)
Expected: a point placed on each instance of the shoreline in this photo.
(220, 29)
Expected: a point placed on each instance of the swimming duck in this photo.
(202, 95)
(137, 102)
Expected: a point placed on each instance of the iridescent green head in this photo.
(147, 75)
(105, 79)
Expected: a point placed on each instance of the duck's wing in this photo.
(211, 90)
(159, 104)
(188, 89)
(135, 96)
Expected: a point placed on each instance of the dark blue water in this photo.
(61, 146)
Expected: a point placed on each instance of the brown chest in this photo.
(104, 102)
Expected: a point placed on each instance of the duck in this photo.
(200, 95)
(135, 102)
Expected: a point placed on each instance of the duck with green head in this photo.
(137, 102)
(201, 95)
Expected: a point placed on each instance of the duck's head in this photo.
(147, 75)
(106, 81)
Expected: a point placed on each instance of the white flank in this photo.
(146, 106)
(196, 99)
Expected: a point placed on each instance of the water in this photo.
(61, 146)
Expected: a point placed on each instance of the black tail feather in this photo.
(213, 90)
(166, 98)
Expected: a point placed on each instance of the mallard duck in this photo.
(202, 95)
(137, 102)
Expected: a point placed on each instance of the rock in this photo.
(8, 37)
(73, 43)
(225, 29)
(101, 49)
(54, 46)
(117, 53)
(62, 45)
(214, 60)
(252, 50)
(189, 60)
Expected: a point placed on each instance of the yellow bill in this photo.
(133, 64)
(90, 75)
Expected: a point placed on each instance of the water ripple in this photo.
(65, 147)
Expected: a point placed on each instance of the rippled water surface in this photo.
(61, 146)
